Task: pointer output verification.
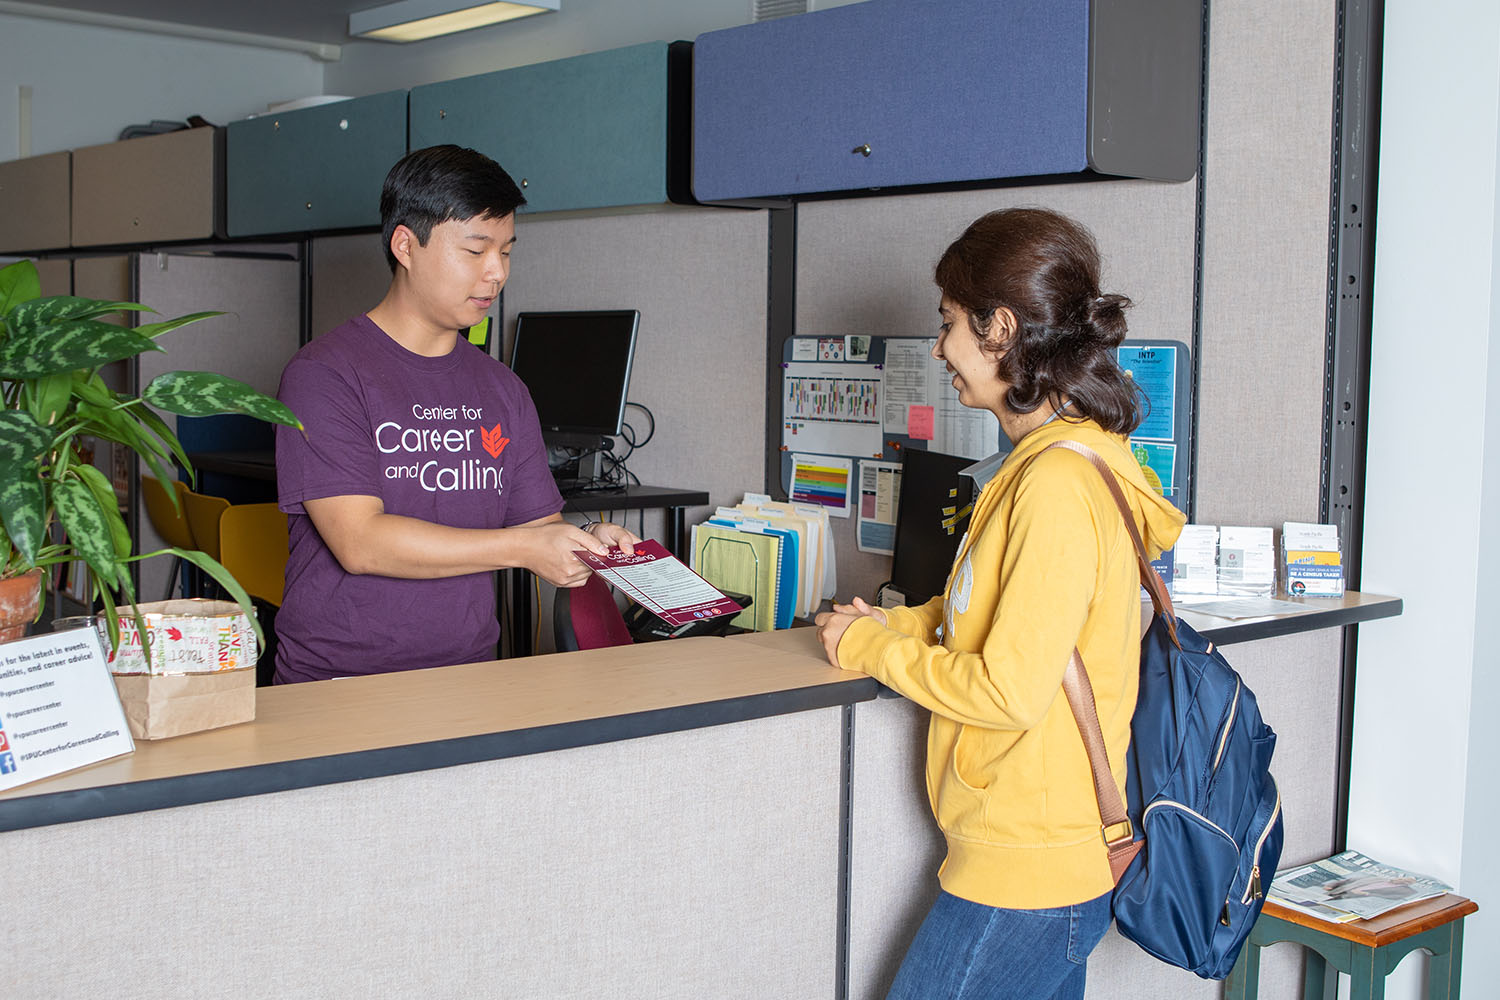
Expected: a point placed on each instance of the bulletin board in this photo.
(849, 406)
(867, 397)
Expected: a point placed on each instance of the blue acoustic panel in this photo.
(314, 169)
(961, 90)
(582, 133)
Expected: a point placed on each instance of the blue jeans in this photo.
(965, 951)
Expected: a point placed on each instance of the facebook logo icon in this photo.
(7, 763)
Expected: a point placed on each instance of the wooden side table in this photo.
(1364, 950)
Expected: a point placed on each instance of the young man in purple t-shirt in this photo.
(422, 469)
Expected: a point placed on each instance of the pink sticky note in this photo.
(919, 420)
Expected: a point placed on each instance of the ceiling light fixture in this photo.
(414, 20)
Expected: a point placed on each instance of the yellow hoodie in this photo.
(1046, 565)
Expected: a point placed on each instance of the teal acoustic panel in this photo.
(314, 169)
(587, 132)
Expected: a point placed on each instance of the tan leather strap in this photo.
(1153, 583)
(1116, 829)
(1118, 834)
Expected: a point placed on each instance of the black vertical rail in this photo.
(1351, 271)
(1190, 487)
(846, 853)
(781, 323)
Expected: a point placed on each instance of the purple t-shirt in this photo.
(452, 440)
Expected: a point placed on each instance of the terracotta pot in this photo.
(20, 599)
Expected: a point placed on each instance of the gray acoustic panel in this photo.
(252, 342)
(698, 278)
(865, 266)
(1260, 415)
(349, 276)
(687, 865)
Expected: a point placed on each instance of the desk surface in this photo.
(364, 727)
(345, 730)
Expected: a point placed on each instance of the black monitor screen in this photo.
(931, 518)
(577, 367)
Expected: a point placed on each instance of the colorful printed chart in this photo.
(822, 480)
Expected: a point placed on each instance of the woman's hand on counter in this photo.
(833, 624)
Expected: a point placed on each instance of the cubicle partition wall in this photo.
(261, 297)
(692, 864)
(697, 275)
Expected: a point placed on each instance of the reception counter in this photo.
(721, 817)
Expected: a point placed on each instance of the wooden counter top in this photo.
(363, 727)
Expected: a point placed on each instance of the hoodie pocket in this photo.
(967, 762)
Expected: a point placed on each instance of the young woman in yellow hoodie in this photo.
(1046, 566)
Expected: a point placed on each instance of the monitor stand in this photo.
(576, 460)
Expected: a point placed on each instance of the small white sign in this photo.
(58, 707)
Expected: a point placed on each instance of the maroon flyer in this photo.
(662, 583)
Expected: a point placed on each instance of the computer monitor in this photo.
(577, 367)
(931, 518)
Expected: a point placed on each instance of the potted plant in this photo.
(51, 350)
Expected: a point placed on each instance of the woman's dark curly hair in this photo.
(1044, 268)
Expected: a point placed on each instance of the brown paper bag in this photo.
(201, 674)
(158, 706)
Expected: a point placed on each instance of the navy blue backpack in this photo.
(1200, 840)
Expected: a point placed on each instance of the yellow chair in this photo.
(170, 521)
(253, 548)
(203, 513)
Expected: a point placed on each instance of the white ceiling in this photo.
(309, 20)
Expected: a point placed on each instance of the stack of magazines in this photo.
(1350, 886)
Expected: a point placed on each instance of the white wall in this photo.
(1425, 740)
(88, 83)
(580, 26)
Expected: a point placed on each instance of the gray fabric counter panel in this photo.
(687, 865)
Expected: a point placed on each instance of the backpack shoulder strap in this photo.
(1117, 831)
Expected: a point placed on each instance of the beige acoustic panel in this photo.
(55, 275)
(107, 278)
(104, 277)
(1265, 262)
(677, 867)
(865, 266)
(34, 203)
(349, 276)
(154, 189)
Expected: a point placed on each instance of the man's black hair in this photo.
(428, 187)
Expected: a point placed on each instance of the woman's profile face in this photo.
(973, 368)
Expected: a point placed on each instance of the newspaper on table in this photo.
(1350, 886)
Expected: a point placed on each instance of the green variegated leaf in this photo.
(88, 532)
(236, 592)
(114, 425)
(23, 507)
(18, 283)
(21, 437)
(88, 386)
(109, 506)
(165, 326)
(29, 317)
(156, 425)
(200, 394)
(78, 343)
(49, 397)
